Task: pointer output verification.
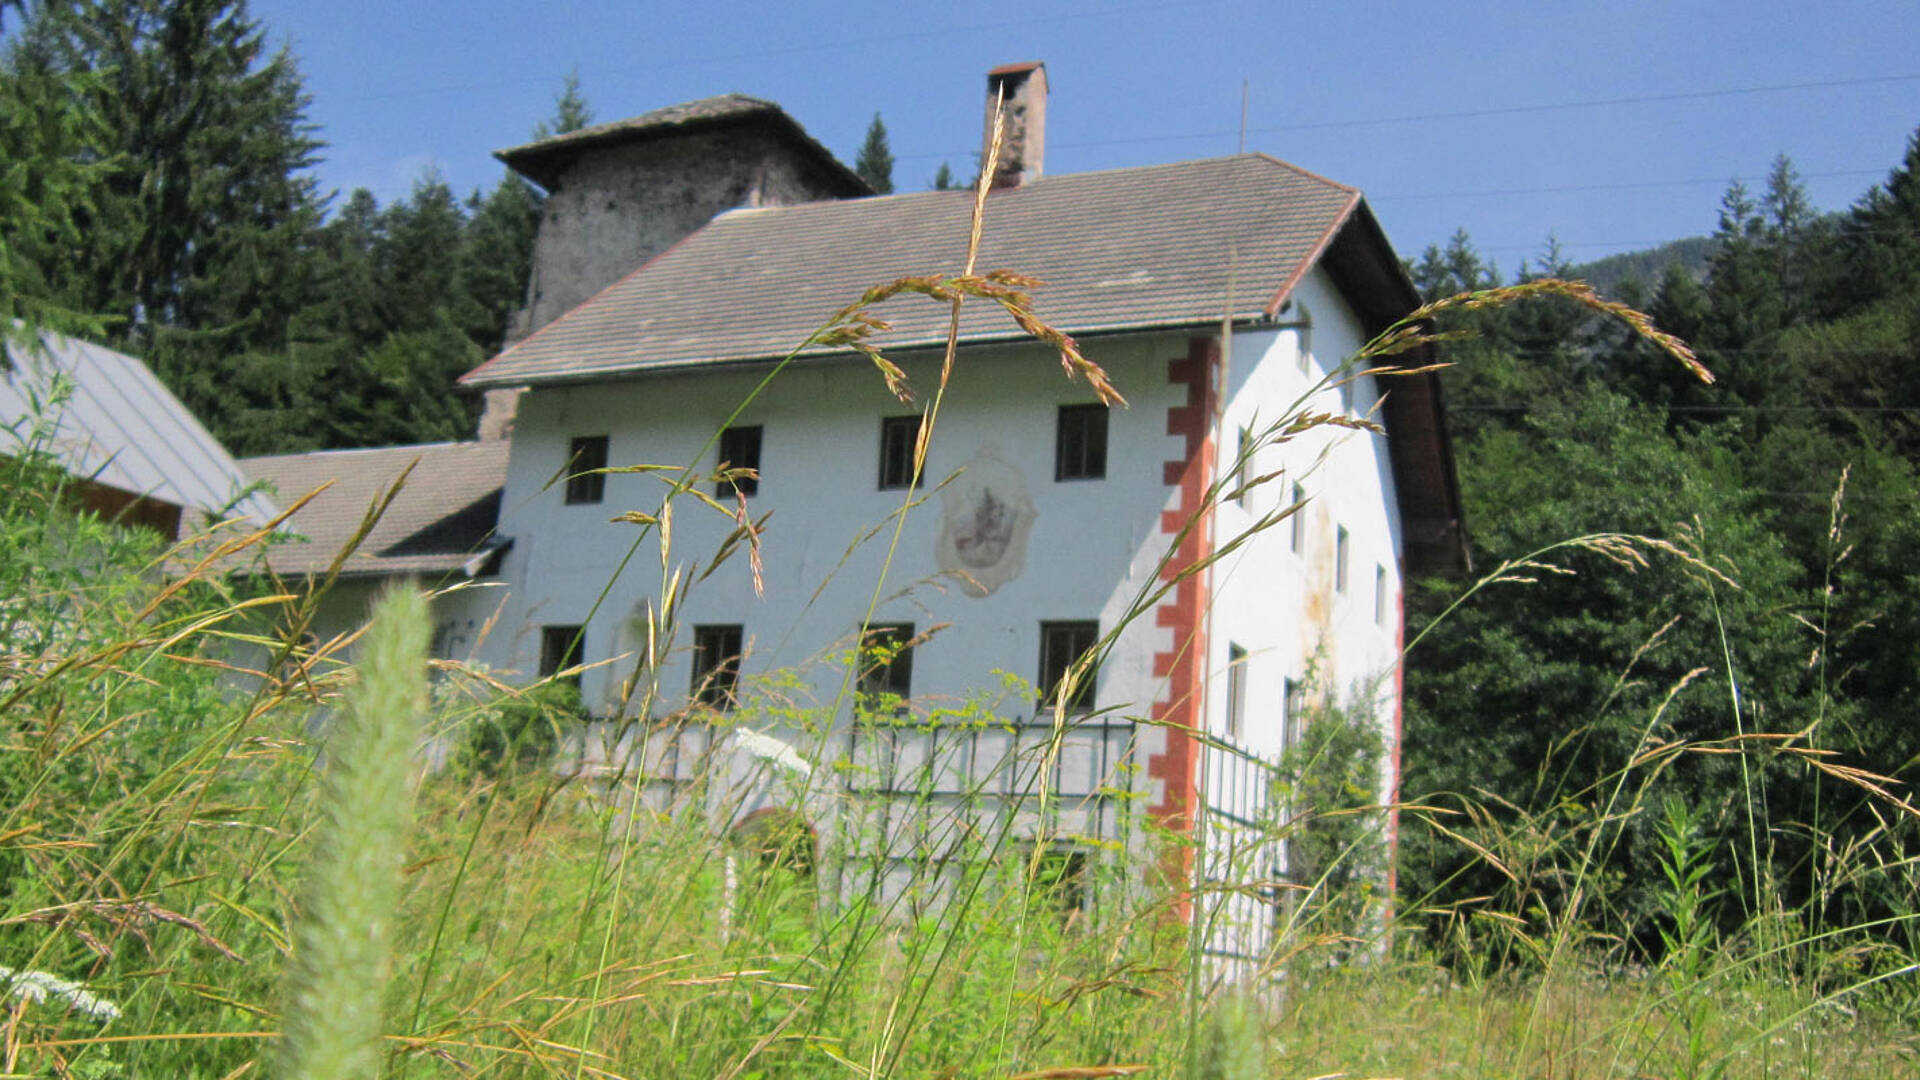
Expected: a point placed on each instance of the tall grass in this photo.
(202, 825)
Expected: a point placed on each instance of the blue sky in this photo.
(1609, 126)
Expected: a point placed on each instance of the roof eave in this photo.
(577, 374)
(1365, 270)
(545, 160)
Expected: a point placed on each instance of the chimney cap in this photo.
(1016, 69)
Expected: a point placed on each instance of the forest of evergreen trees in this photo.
(158, 197)
(1793, 475)
(155, 193)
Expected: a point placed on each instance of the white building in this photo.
(1220, 297)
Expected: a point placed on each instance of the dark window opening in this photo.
(1297, 527)
(886, 665)
(898, 434)
(1062, 644)
(1080, 447)
(740, 449)
(561, 647)
(1236, 691)
(716, 665)
(1242, 466)
(586, 455)
(1293, 699)
(1340, 546)
(1060, 881)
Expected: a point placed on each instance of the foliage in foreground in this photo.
(159, 830)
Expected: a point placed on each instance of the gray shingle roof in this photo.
(442, 521)
(1162, 245)
(543, 159)
(120, 427)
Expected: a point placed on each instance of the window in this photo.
(740, 449)
(898, 434)
(561, 647)
(1060, 880)
(1080, 446)
(1340, 546)
(1236, 691)
(886, 664)
(1379, 594)
(1303, 339)
(716, 665)
(585, 455)
(1242, 466)
(1062, 644)
(1293, 697)
(1297, 528)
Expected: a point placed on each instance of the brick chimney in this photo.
(1021, 90)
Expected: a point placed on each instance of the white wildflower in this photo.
(37, 986)
(772, 750)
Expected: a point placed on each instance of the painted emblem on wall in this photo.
(985, 518)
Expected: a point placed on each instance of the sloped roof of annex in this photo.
(441, 521)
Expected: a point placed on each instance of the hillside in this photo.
(1647, 266)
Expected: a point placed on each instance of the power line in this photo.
(1571, 188)
(1504, 110)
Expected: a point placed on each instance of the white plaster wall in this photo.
(1280, 606)
(460, 613)
(1092, 545)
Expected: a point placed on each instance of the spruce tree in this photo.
(570, 110)
(45, 129)
(875, 162)
(943, 179)
(201, 220)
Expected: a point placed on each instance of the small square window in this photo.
(1297, 525)
(585, 456)
(886, 663)
(1062, 644)
(1340, 546)
(716, 665)
(561, 647)
(1060, 880)
(740, 449)
(1236, 691)
(1080, 446)
(898, 435)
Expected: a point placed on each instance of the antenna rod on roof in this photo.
(1243, 116)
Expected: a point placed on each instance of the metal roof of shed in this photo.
(119, 427)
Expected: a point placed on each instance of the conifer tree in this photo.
(943, 179)
(44, 138)
(570, 110)
(201, 217)
(875, 163)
